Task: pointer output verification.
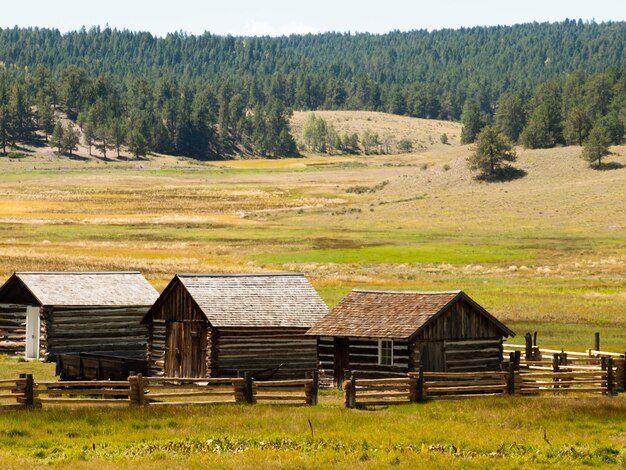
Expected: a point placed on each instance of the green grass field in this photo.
(544, 252)
(481, 433)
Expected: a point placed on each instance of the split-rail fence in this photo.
(27, 393)
(422, 386)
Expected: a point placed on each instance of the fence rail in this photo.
(533, 383)
(163, 391)
(99, 392)
(453, 385)
(532, 357)
(422, 386)
(289, 391)
(373, 392)
(13, 392)
(25, 392)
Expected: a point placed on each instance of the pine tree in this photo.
(473, 121)
(21, 116)
(70, 139)
(5, 127)
(103, 139)
(137, 143)
(86, 120)
(56, 139)
(510, 116)
(577, 125)
(597, 145)
(117, 134)
(45, 118)
(491, 153)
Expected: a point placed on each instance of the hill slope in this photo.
(334, 71)
(424, 134)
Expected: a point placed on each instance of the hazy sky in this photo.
(278, 17)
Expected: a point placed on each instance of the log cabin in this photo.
(222, 325)
(48, 313)
(384, 334)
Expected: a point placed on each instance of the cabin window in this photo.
(385, 352)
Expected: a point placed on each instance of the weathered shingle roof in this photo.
(386, 314)
(255, 300)
(84, 289)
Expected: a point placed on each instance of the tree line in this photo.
(211, 96)
(578, 109)
(417, 73)
(162, 116)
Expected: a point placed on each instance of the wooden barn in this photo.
(378, 334)
(226, 324)
(49, 313)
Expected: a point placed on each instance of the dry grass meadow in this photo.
(543, 251)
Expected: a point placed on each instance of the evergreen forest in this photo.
(209, 97)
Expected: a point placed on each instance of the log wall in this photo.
(481, 354)
(326, 359)
(236, 350)
(460, 321)
(363, 359)
(12, 329)
(155, 353)
(89, 329)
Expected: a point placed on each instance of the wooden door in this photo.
(185, 352)
(432, 356)
(173, 353)
(33, 331)
(341, 360)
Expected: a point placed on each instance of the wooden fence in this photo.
(531, 357)
(88, 392)
(161, 391)
(375, 392)
(421, 386)
(13, 392)
(286, 391)
(25, 392)
(565, 362)
(454, 385)
(559, 383)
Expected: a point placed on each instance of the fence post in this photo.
(624, 370)
(29, 390)
(555, 362)
(352, 397)
(133, 394)
(420, 385)
(249, 393)
(529, 346)
(141, 397)
(412, 388)
(596, 341)
(609, 376)
(315, 387)
(510, 383)
(518, 358)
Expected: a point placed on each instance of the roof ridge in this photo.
(239, 274)
(60, 273)
(374, 291)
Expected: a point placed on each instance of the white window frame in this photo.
(380, 352)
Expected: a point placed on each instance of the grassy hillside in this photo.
(544, 251)
(424, 134)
